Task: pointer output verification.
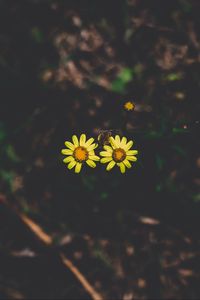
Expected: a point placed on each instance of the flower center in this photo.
(80, 154)
(129, 105)
(119, 154)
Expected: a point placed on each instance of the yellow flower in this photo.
(79, 152)
(129, 105)
(118, 153)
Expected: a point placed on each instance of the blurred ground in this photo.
(68, 67)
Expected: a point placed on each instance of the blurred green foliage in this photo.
(123, 78)
(37, 35)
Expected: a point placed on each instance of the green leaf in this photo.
(118, 86)
(179, 130)
(99, 254)
(37, 35)
(121, 81)
(174, 76)
(126, 75)
(8, 176)
(179, 150)
(10, 151)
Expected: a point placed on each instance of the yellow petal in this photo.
(91, 152)
(122, 167)
(112, 142)
(89, 142)
(127, 163)
(66, 152)
(68, 159)
(75, 140)
(128, 145)
(94, 157)
(71, 164)
(132, 152)
(131, 158)
(105, 153)
(91, 163)
(78, 167)
(69, 145)
(123, 141)
(82, 140)
(108, 148)
(92, 147)
(105, 160)
(110, 165)
(117, 140)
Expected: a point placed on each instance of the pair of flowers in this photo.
(81, 151)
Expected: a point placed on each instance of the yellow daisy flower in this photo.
(129, 105)
(79, 152)
(118, 153)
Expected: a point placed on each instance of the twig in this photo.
(81, 278)
(43, 236)
(47, 239)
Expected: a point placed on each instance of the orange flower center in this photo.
(119, 154)
(80, 154)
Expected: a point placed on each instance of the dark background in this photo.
(68, 67)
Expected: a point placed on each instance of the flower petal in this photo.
(108, 148)
(92, 147)
(117, 140)
(105, 153)
(122, 167)
(69, 145)
(66, 152)
(131, 158)
(68, 159)
(132, 152)
(91, 163)
(124, 140)
(82, 139)
(112, 142)
(71, 164)
(128, 145)
(78, 167)
(104, 160)
(110, 165)
(75, 140)
(91, 152)
(94, 157)
(89, 142)
(127, 163)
